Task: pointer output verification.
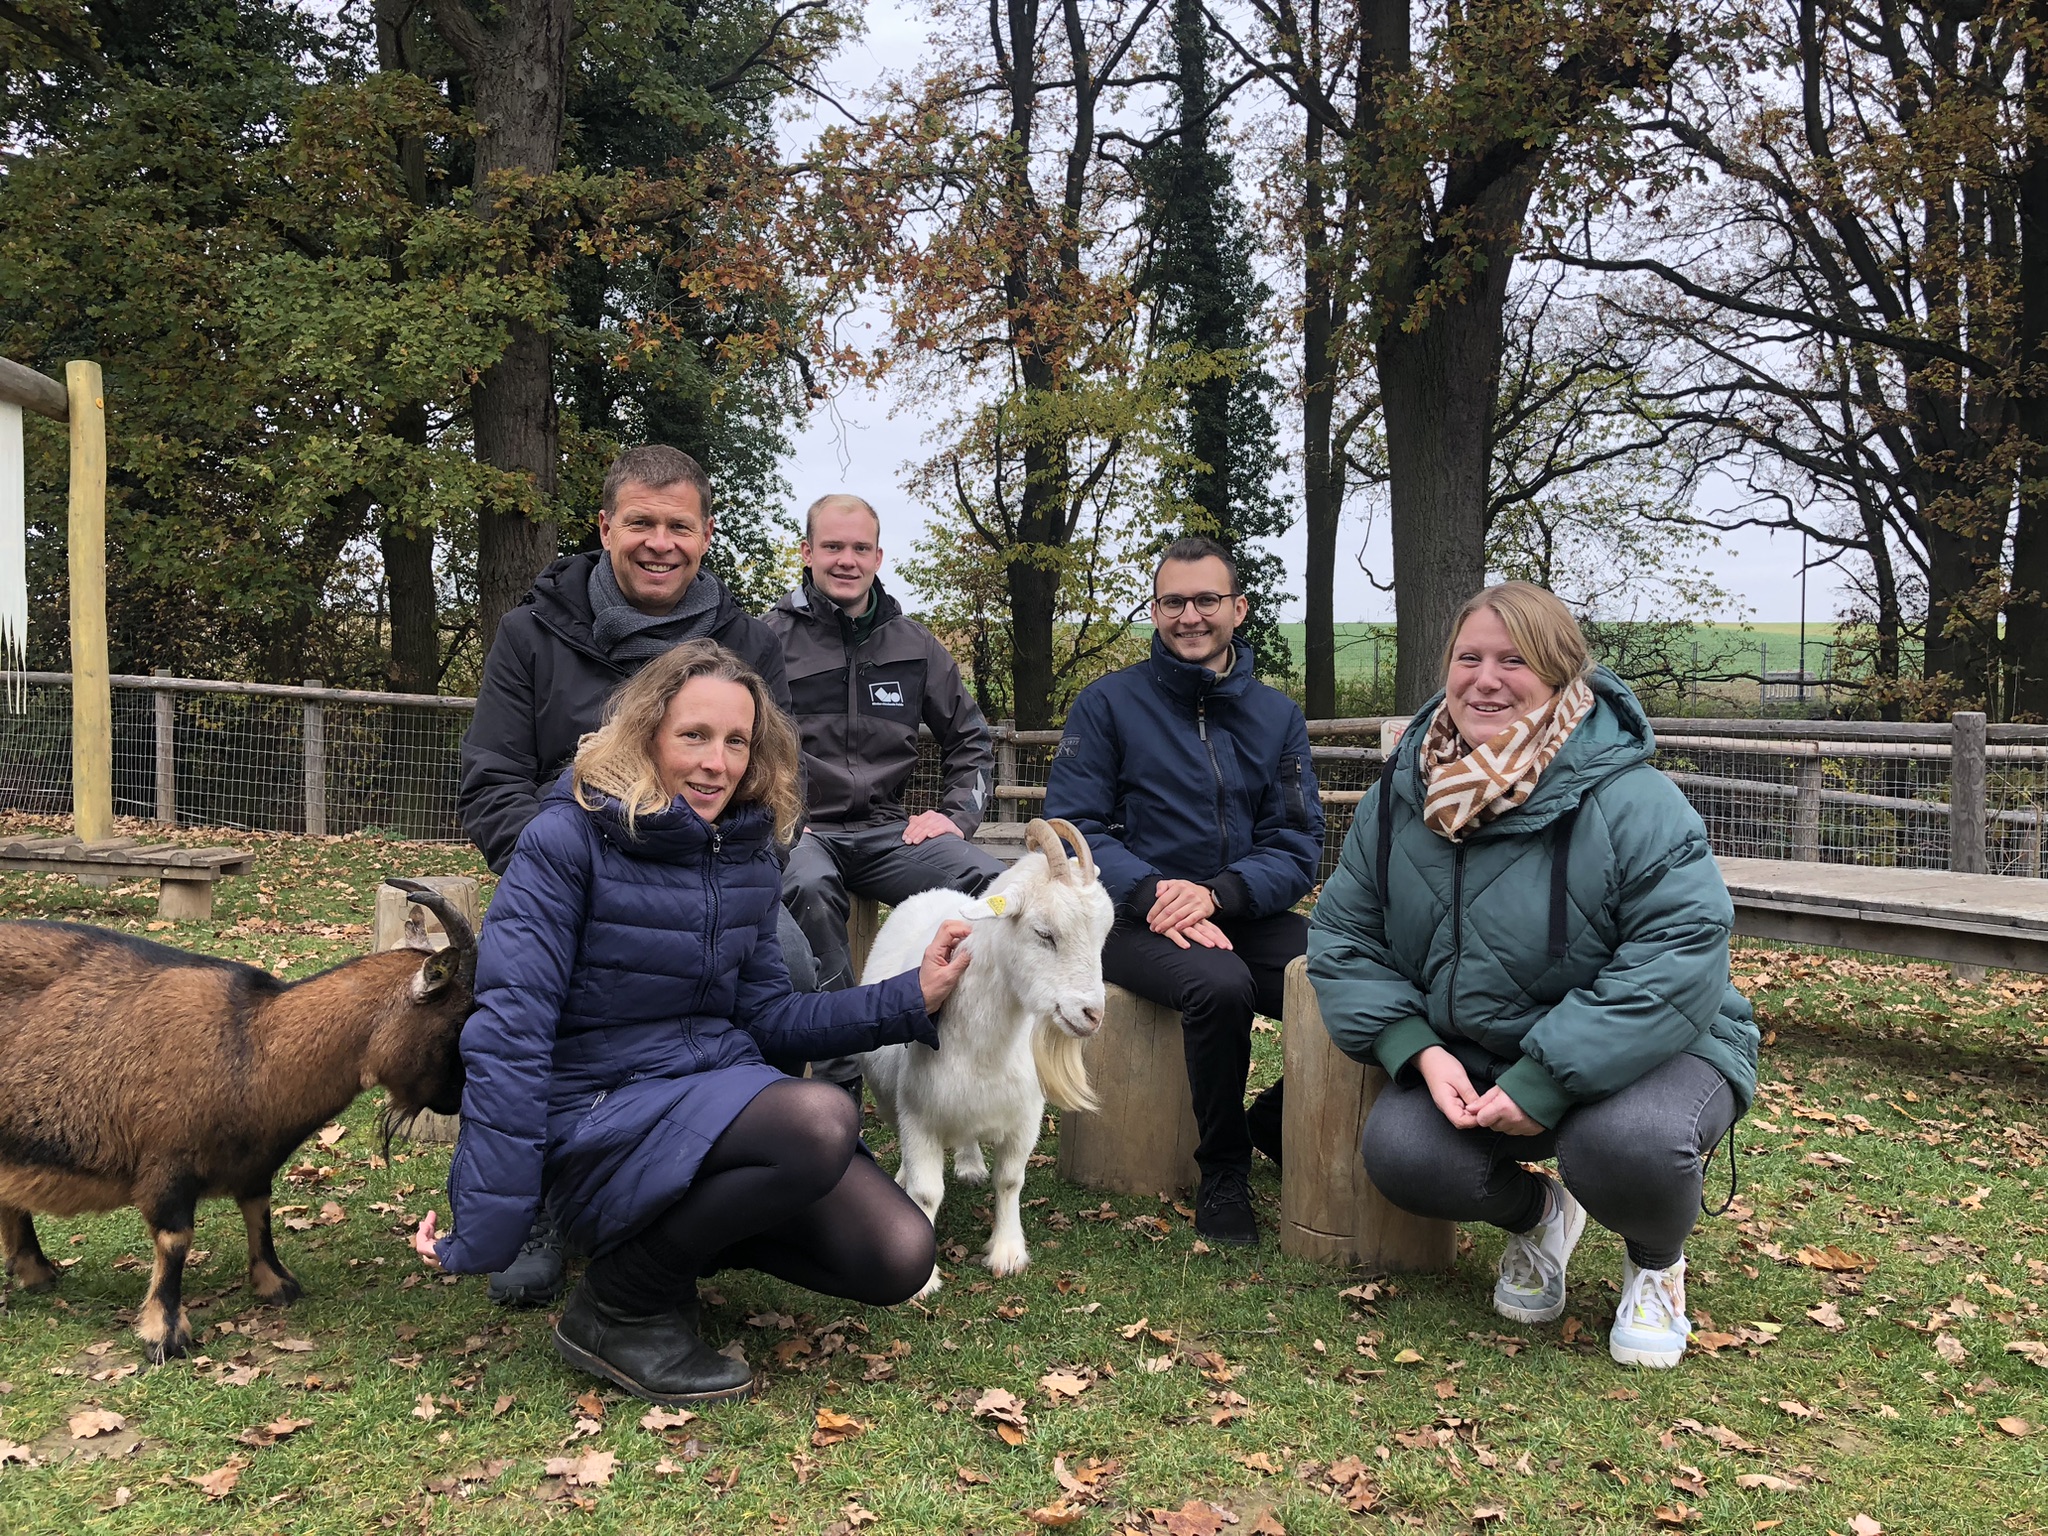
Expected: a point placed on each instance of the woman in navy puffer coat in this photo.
(628, 983)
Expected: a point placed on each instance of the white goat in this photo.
(1010, 1036)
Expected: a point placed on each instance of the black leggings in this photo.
(784, 1190)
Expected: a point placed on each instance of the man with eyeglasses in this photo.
(1192, 782)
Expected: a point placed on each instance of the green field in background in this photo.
(1779, 642)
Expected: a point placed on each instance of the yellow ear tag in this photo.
(997, 904)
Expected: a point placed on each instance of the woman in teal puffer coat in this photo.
(1529, 933)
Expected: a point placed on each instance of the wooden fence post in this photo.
(166, 753)
(1806, 809)
(92, 709)
(1966, 796)
(1006, 768)
(314, 736)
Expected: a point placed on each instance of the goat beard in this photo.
(396, 1120)
(1062, 1070)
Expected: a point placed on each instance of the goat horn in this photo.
(1067, 830)
(460, 935)
(1039, 837)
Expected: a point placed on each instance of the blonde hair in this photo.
(1542, 628)
(617, 758)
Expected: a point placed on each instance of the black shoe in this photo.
(657, 1358)
(534, 1278)
(1223, 1207)
(1262, 1119)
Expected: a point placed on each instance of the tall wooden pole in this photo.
(92, 710)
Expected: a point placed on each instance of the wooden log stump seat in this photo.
(1329, 1209)
(1142, 1142)
(401, 923)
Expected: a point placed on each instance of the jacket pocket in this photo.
(1293, 793)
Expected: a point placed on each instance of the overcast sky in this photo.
(865, 442)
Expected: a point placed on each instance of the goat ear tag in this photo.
(988, 906)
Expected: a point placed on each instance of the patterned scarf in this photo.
(1470, 786)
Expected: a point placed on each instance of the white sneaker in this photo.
(1531, 1284)
(1650, 1325)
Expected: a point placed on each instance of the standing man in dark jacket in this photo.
(590, 622)
(863, 677)
(1192, 782)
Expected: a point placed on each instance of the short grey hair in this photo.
(656, 466)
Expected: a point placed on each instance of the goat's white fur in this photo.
(1010, 1036)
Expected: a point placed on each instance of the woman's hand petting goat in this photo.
(944, 963)
(630, 995)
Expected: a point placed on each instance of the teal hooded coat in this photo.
(1465, 940)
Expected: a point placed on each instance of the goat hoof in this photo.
(275, 1288)
(1006, 1261)
(973, 1173)
(34, 1278)
(174, 1347)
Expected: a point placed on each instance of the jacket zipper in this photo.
(1457, 932)
(1216, 769)
(711, 921)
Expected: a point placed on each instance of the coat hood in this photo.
(675, 835)
(1615, 735)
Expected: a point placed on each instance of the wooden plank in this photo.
(116, 868)
(92, 710)
(33, 391)
(2010, 949)
(1930, 897)
(110, 842)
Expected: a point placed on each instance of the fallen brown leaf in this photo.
(1863, 1525)
(95, 1421)
(425, 1409)
(593, 1469)
(220, 1482)
(969, 1476)
(1197, 1517)
(1833, 1259)
(2016, 1427)
(1057, 1514)
(658, 1419)
(1768, 1483)
(1059, 1384)
(831, 1428)
(1827, 1316)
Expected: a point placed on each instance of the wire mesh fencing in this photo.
(264, 757)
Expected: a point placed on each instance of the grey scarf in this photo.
(625, 634)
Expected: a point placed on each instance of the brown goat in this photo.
(136, 1074)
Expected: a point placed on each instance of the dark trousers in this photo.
(1634, 1160)
(1217, 991)
(831, 865)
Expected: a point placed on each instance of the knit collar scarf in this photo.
(1469, 786)
(625, 634)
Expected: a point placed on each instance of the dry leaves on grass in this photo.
(969, 1476)
(1835, 1260)
(90, 1422)
(1863, 1525)
(1827, 1316)
(1011, 1422)
(1727, 1439)
(659, 1419)
(1197, 1517)
(2033, 1351)
(1087, 1482)
(1950, 1348)
(1068, 1384)
(274, 1431)
(831, 1428)
(220, 1482)
(1768, 1483)
(2018, 1428)
(593, 1469)
(1057, 1514)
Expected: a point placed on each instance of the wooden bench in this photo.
(1927, 914)
(185, 876)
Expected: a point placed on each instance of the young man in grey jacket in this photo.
(862, 678)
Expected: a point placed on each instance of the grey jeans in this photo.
(831, 865)
(1634, 1160)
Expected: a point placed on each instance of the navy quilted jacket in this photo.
(626, 988)
(1173, 773)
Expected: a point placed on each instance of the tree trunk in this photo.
(1034, 586)
(1321, 475)
(1438, 385)
(519, 69)
(2026, 612)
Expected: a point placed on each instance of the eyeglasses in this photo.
(1173, 604)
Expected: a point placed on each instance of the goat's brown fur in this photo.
(136, 1074)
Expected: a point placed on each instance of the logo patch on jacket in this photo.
(885, 695)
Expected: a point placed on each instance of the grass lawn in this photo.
(1872, 1315)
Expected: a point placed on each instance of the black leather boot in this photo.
(655, 1356)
